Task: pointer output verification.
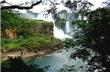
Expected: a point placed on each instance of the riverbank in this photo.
(24, 53)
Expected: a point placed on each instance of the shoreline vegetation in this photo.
(25, 53)
(25, 37)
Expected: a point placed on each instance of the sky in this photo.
(40, 7)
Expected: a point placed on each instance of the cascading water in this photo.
(70, 28)
(67, 27)
(57, 32)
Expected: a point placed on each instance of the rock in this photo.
(41, 53)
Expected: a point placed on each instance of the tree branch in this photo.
(3, 2)
(20, 7)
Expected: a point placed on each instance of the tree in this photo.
(30, 6)
(82, 9)
(74, 5)
(18, 6)
(96, 35)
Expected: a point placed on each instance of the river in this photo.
(59, 59)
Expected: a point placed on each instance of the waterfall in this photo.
(67, 27)
(57, 32)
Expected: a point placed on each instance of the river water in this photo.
(59, 59)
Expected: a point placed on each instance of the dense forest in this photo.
(95, 35)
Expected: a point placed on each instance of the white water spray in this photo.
(68, 28)
(57, 32)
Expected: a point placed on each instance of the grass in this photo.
(36, 41)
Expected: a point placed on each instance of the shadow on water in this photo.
(18, 65)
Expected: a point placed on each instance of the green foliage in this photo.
(36, 41)
(95, 35)
(60, 22)
(10, 19)
(24, 27)
(96, 31)
(81, 24)
(81, 53)
(69, 43)
(30, 33)
(39, 41)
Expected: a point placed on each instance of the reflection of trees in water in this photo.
(18, 65)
